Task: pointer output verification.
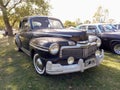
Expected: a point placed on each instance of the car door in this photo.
(25, 33)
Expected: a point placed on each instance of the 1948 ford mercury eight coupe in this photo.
(54, 49)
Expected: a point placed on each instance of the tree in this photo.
(87, 22)
(13, 10)
(106, 15)
(101, 15)
(1, 23)
(69, 24)
(77, 22)
(98, 14)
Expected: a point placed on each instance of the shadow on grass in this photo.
(17, 73)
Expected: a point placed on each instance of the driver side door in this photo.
(25, 34)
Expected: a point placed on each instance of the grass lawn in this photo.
(17, 73)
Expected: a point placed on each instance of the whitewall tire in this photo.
(38, 64)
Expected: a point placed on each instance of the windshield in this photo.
(44, 22)
(107, 28)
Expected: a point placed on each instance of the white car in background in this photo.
(108, 34)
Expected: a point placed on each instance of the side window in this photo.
(24, 25)
(36, 25)
(83, 27)
(91, 29)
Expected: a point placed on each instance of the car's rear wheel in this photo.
(38, 64)
(116, 48)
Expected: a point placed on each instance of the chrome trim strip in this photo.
(39, 48)
(26, 51)
(54, 69)
(83, 42)
(53, 34)
(78, 45)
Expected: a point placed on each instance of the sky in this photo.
(83, 9)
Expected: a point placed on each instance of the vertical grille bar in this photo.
(79, 52)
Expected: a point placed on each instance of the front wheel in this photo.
(38, 64)
(116, 48)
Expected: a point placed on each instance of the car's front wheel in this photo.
(116, 48)
(38, 64)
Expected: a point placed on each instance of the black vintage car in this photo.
(56, 50)
(108, 34)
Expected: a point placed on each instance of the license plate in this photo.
(90, 62)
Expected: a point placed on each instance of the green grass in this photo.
(17, 73)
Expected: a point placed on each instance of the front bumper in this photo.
(53, 69)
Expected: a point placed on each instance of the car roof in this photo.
(29, 17)
(94, 24)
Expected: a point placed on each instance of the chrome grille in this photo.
(79, 52)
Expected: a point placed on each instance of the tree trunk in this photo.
(6, 22)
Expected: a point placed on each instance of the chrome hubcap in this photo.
(117, 48)
(39, 64)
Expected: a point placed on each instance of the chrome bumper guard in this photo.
(54, 69)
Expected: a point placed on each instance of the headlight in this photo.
(92, 38)
(71, 43)
(54, 48)
(98, 41)
(97, 53)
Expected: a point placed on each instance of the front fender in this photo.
(114, 41)
(45, 42)
(41, 45)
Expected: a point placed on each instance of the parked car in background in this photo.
(117, 25)
(106, 32)
(54, 49)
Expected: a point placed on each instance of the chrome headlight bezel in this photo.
(98, 41)
(54, 48)
(71, 43)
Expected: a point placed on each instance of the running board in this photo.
(26, 51)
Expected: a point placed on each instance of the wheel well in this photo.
(113, 42)
(32, 53)
(18, 42)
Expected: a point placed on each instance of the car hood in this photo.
(111, 35)
(64, 33)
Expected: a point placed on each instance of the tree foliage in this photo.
(101, 15)
(87, 21)
(13, 10)
(69, 24)
(78, 21)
